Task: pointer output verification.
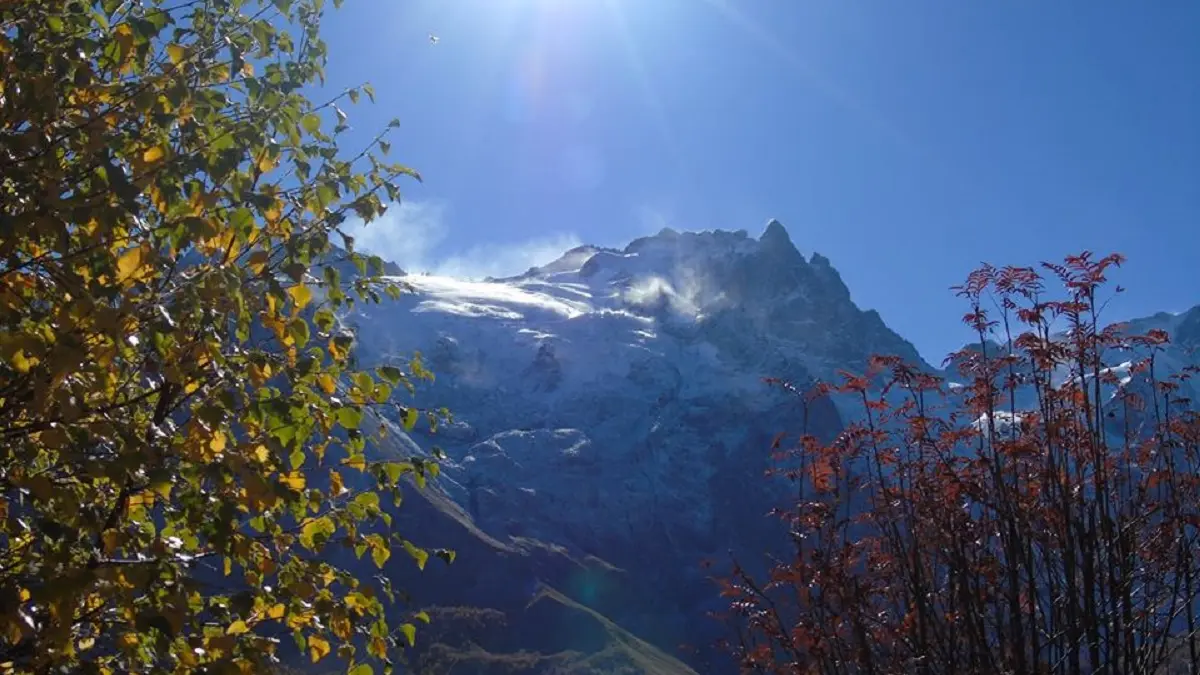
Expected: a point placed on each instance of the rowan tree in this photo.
(1039, 515)
(174, 381)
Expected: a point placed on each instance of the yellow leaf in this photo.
(256, 375)
(341, 627)
(294, 480)
(130, 265)
(217, 444)
(24, 595)
(265, 163)
(176, 53)
(22, 362)
(336, 486)
(141, 499)
(128, 640)
(262, 454)
(328, 385)
(335, 351)
(318, 648)
(237, 628)
(228, 566)
(276, 611)
(297, 620)
(300, 295)
(152, 155)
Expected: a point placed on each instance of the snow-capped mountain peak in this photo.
(756, 306)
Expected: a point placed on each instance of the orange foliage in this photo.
(956, 530)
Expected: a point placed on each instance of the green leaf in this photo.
(361, 669)
(395, 470)
(315, 532)
(324, 319)
(380, 555)
(421, 556)
(379, 549)
(349, 417)
(311, 123)
(242, 218)
(410, 419)
(390, 373)
(410, 633)
(368, 500)
(298, 329)
(364, 382)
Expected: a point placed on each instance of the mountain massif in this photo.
(611, 429)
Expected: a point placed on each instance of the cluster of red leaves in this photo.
(956, 529)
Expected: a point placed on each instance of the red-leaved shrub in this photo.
(1038, 516)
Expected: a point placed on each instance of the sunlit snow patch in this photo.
(488, 299)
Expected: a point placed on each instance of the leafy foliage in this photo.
(955, 530)
(174, 384)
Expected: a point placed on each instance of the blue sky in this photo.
(907, 141)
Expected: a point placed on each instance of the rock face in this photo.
(611, 431)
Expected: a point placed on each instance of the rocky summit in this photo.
(611, 431)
